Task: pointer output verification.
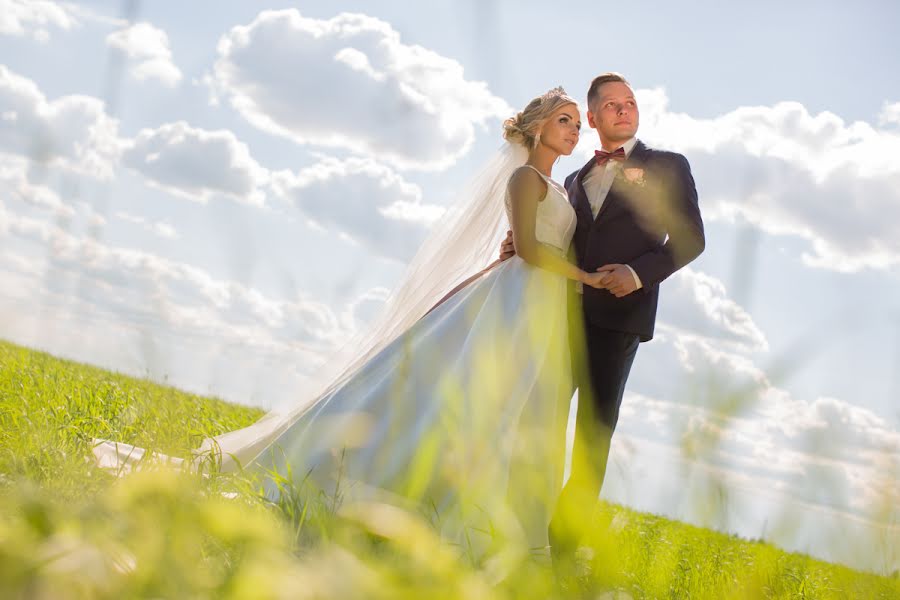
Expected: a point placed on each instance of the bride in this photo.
(455, 400)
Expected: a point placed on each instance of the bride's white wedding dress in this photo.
(464, 414)
(466, 410)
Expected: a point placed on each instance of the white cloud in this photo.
(15, 185)
(130, 324)
(819, 144)
(890, 114)
(365, 201)
(723, 410)
(33, 17)
(698, 400)
(789, 172)
(697, 302)
(802, 448)
(658, 477)
(160, 228)
(350, 82)
(147, 48)
(196, 163)
(140, 289)
(683, 364)
(72, 131)
(75, 133)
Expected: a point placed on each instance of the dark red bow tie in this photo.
(602, 157)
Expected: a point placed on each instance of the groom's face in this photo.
(614, 113)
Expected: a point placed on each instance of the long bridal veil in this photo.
(462, 243)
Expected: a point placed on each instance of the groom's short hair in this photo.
(599, 80)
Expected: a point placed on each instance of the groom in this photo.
(638, 222)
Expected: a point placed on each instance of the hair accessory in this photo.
(557, 91)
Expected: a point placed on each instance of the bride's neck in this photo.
(542, 159)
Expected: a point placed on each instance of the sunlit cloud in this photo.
(34, 18)
(367, 202)
(72, 131)
(349, 82)
(160, 228)
(793, 173)
(699, 303)
(197, 164)
(147, 49)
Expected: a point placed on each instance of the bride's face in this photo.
(560, 132)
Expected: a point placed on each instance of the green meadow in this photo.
(71, 530)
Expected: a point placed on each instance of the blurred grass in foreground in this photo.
(70, 530)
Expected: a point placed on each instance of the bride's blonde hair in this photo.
(525, 127)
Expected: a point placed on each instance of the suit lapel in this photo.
(635, 159)
(577, 196)
(638, 155)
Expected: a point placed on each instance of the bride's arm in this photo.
(526, 189)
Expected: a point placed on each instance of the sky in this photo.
(218, 194)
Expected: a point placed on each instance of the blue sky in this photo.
(217, 197)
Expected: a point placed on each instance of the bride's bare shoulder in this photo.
(526, 181)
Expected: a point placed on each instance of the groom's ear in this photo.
(590, 119)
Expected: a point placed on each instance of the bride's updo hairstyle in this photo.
(525, 127)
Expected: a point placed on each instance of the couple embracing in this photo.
(637, 221)
(457, 401)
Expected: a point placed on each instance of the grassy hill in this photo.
(71, 530)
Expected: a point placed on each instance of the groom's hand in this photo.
(617, 279)
(507, 247)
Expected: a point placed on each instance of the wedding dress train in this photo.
(467, 410)
(464, 414)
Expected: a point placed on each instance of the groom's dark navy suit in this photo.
(632, 228)
(650, 221)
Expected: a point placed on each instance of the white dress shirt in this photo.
(597, 184)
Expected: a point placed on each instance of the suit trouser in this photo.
(601, 361)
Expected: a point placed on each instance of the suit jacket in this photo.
(653, 225)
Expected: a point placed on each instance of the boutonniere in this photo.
(634, 177)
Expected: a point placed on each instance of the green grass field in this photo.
(71, 530)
